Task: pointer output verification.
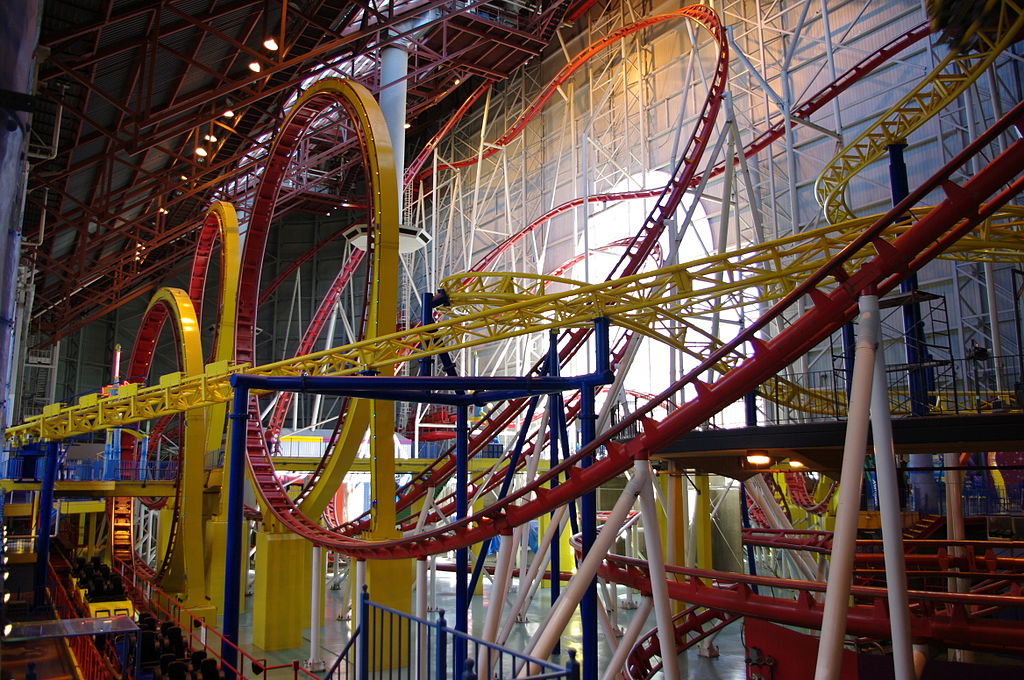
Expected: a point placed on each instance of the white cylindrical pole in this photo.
(892, 526)
(550, 630)
(656, 569)
(837, 593)
(629, 638)
(394, 69)
(422, 653)
(315, 661)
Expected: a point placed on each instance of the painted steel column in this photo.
(44, 524)
(315, 661)
(394, 69)
(462, 554)
(550, 630)
(658, 576)
(556, 561)
(233, 557)
(629, 638)
(422, 650)
(588, 504)
(923, 482)
(837, 593)
(892, 526)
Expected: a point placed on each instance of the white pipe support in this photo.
(658, 576)
(422, 652)
(394, 71)
(315, 661)
(629, 638)
(496, 603)
(892, 525)
(550, 630)
(837, 592)
(528, 584)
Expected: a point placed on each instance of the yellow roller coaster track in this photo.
(940, 87)
(662, 304)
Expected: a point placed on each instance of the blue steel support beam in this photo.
(552, 367)
(462, 554)
(233, 558)
(588, 504)
(44, 524)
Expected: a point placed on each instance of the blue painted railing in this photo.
(425, 650)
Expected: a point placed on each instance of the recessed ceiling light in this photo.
(758, 459)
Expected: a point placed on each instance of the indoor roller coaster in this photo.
(811, 281)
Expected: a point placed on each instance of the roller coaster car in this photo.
(960, 21)
(98, 605)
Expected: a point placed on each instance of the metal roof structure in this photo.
(128, 90)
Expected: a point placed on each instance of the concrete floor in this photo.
(334, 635)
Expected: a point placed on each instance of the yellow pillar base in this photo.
(566, 555)
(281, 593)
(215, 535)
(389, 582)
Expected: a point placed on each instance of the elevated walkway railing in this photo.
(390, 643)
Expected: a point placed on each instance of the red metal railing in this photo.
(198, 634)
(87, 657)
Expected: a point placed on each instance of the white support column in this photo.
(837, 593)
(394, 69)
(315, 662)
(554, 623)
(892, 526)
(629, 638)
(656, 569)
(422, 651)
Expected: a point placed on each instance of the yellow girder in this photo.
(646, 302)
(189, 536)
(940, 87)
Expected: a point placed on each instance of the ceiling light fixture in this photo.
(201, 152)
(228, 114)
(210, 138)
(270, 44)
(254, 66)
(183, 178)
(758, 458)
(407, 126)
(458, 81)
(796, 464)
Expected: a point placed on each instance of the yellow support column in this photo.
(389, 582)
(675, 526)
(702, 520)
(281, 593)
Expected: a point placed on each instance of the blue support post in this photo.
(745, 517)
(233, 553)
(913, 330)
(588, 504)
(363, 660)
(426, 318)
(44, 524)
(913, 326)
(462, 593)
(553, 365)
(441, 648)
